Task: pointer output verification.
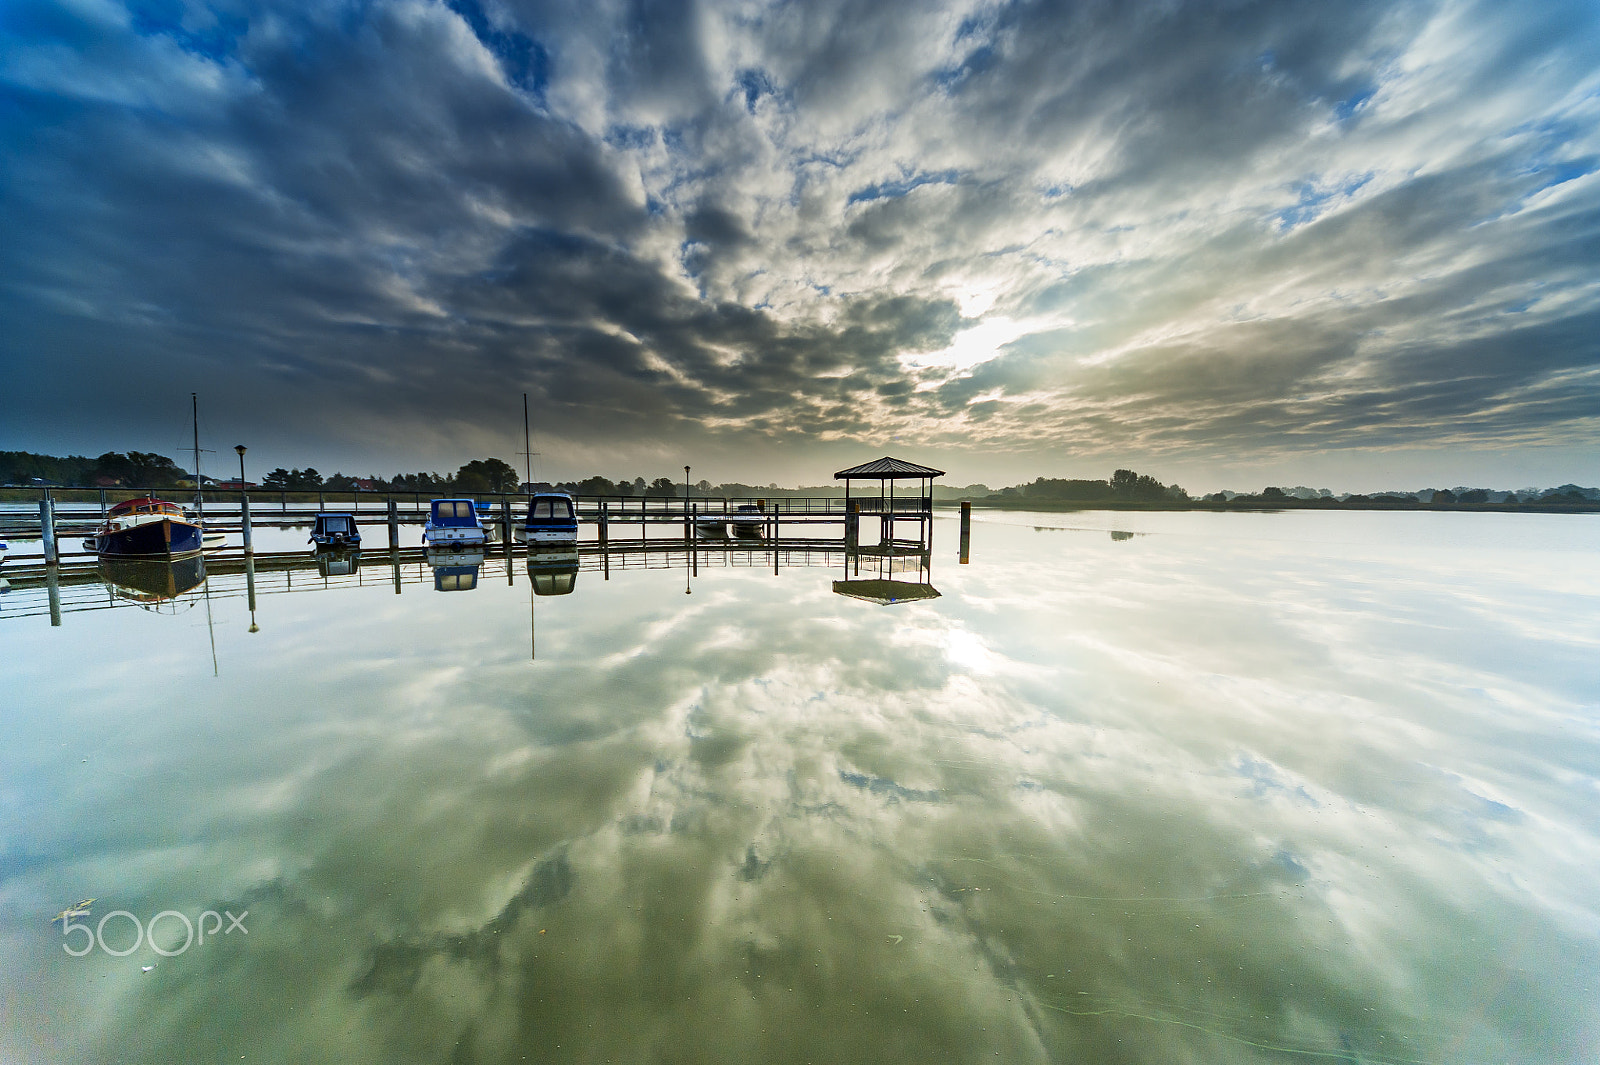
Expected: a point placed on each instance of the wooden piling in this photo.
(250, 590)
(244, 521)
(52, 580)
(47, 531)
(966, 531)
(394, 524)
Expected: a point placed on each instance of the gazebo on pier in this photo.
(885, 504)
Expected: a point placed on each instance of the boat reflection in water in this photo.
(149, 582)
(553, 572)
(455, 570)
(336, 562)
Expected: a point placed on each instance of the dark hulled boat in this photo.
(152, 581)
(148, 528)
(336, 530)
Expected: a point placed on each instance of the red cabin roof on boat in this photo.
(146, 505)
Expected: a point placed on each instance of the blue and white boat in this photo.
(455, 569)
(335, 530)
(147, 528)
(453, 523)
(552, 519)
(553, 570)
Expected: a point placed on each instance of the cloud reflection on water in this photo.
(1184, 797)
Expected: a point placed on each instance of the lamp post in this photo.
(687, 528)
(244, 508)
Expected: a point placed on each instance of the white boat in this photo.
(747, 520)
(453, 523)
(455, 568)
(552, 519)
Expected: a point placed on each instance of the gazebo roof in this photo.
(886, 593)
(888, 469)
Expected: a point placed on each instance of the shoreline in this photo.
(1257, 506)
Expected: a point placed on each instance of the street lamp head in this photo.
(240, 448)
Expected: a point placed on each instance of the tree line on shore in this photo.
(488, 476)
(492, 476)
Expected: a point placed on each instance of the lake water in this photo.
(1133, 788)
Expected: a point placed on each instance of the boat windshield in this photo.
(454, 512)
(550, 509)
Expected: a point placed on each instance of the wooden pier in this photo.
(63, 519)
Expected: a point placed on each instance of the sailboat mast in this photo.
(199, 497)
(527, 447)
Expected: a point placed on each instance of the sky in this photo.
(1350, 245)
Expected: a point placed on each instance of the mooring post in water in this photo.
(52, 581)
(394, 564)
(605, 524)
(966, 531)
(394, 524)
(47, 530)
(250, 589)
(244, 522)
(852, 526)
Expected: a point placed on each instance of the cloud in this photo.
(1018, 229)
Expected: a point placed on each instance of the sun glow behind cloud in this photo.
(972, 346)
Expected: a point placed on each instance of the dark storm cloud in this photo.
(1015, 227)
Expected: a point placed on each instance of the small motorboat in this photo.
(553, 572)
(335, 530)
(453, 523)
(711, 528)
(147, 528)
(552, 519)
(455, 569)
(747, 521)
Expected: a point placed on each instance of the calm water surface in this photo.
(1134, 788)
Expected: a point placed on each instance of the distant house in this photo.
(233, 484)
(364, 484)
